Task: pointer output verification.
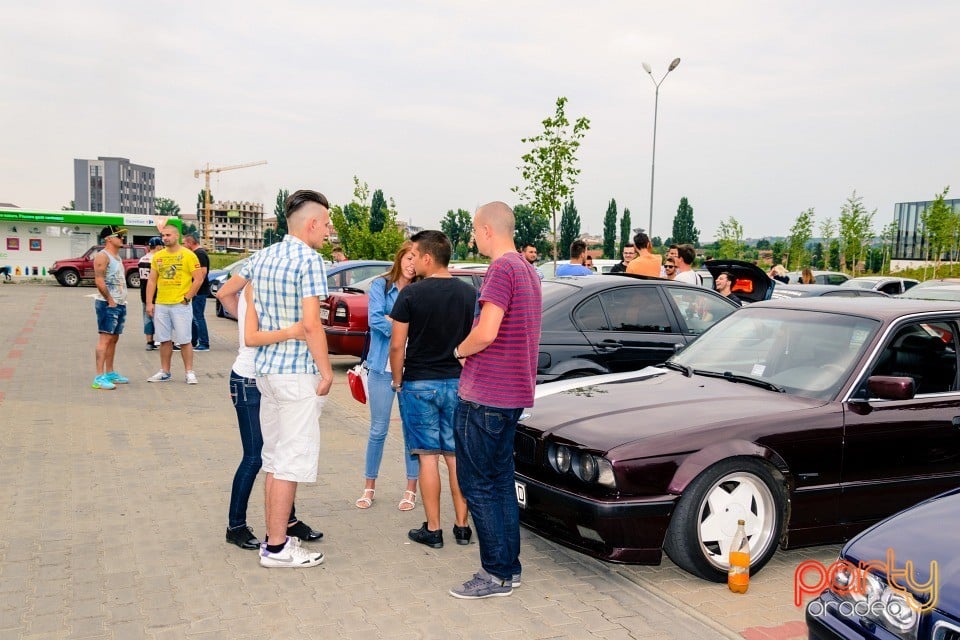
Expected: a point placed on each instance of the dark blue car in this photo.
(899, 579)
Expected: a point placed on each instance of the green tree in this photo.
(730, 239)
(626, 233)
(888, 240)
(378, 212)
(530, 228)
(549, 169)
(356, 238)
(269, 236)
(776, 251)
(610, 230)
(458, 226)
(938, 224)
(763, 243)
(69, 207)
(200, 201)
(166, 207)
(800, 234)
(833, 255)
(279, 210)
(856, 229)
(569, 229)
(656, 242)
(684, 232)
(816, 261)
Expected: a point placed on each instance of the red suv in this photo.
(71, 271)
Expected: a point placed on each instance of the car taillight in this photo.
(340, 314)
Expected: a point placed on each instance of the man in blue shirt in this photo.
(293, 376)
(578, 252)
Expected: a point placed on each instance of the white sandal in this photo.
(364, 502)
(409, 498)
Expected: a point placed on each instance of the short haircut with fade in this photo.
(299, 198)
(687, 253)
(435, 244)
(577, 247)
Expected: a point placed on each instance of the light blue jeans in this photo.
(380, 398)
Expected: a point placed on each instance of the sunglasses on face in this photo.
(669, 266)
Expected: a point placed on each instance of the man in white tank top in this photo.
(111, 305)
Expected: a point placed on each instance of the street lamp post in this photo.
(656, 101)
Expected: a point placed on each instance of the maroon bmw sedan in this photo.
(809, 419)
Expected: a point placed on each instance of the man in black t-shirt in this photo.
(430, 318)
(155, 243)
(201, 338)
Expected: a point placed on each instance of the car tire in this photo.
(219, 310)
(214, 287)
(698, 539)
(68, 278)
(133, 279)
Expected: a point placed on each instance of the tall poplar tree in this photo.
(378, 211)
(569, 229)
(610, 230)
(626, 233)
(684, 231)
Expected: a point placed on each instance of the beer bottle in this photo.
(738, 575)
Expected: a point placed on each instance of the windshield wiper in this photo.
(736, 377)
(682, 368)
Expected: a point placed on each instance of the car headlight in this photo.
(559, 457)
(586, 467)
(605, 473)
(869, 596)
(898, 612)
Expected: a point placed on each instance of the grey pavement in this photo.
(114, 509)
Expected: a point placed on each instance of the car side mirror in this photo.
(677, 348)
(891, 387)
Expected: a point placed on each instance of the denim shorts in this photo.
(110, 319)
(147, 323)
(427, 408)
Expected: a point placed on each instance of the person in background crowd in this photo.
(529, 252)
(588, 263)
(338, 255)
(435, 314)
(647, 263)
(499, 359)
(174, 280)
(628, 254)
(806, 276)
(110, 302)
(724, 286)
(575, 267)
(383, 295)
(686, 255)
(200, 337)
(154, 244)
(779, 273)
(670, 269)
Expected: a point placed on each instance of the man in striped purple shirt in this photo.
(499, 359)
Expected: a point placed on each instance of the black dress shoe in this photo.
(243, 537)
(462, 534)
(302, 530)
(433, 539)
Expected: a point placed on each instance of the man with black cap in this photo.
(155, 243)
(111, 305)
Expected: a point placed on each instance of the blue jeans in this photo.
(147, 322)
(427, 409)
(246, 400)
(484, 438)
(200, 336)
(381, 404)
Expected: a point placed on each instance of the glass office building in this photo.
(911, 245)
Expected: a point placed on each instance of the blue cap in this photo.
(155, 241)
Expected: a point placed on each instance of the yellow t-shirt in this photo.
(174, 274)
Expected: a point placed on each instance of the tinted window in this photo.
(700, 310)
(589, 316)
(891, 288)
(553, 292)
(636, 309)
(833, 278)
(924, 351)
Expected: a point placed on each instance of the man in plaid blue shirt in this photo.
(288, 281)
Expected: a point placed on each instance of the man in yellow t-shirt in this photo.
(175, 277)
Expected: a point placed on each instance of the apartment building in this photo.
(113, 185)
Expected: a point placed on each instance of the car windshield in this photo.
(949, 292)
(807, 353)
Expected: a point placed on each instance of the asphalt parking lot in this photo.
(115, 507)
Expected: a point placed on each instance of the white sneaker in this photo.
(191, 377)
(160, 376)
(292, 556)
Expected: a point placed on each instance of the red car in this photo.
(344, 314)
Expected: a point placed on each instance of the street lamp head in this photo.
(673, 65)
(647, 68)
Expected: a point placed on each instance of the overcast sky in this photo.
(775, 108)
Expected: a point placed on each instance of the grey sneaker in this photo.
(160, 376)
(516, 580)
(482, 585)
(191, 377)
(292, 556)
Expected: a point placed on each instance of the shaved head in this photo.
(498, 216)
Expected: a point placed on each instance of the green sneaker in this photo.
(101, 382)
(116, 378)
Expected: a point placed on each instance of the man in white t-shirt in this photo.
(684, 261)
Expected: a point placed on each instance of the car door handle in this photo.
(610, 345)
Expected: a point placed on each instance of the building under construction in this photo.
(234, 226)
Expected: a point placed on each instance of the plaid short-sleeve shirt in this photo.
(282, 275)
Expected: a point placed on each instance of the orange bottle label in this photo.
(738, 576)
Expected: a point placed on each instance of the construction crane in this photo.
(206, 194)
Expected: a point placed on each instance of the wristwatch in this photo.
(395, 386)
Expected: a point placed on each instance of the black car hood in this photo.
(923, 534)
(608, 411)
(746, 274)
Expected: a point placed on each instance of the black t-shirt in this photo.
(201, 254)
(618, 268)
(440, 314)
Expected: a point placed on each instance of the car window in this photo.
(362, 273)
(844, 293)
(590, 317)
(924, 351)
(834, 278)
(636, 309)
(891, 287)
(699, 309)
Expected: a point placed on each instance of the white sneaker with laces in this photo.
(292, 556)
(160, 376)
(191, 377)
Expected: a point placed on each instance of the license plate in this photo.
(521, 493)
(324, 314)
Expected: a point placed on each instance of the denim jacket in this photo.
(380, 306)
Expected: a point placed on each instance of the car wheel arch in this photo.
(696, 463)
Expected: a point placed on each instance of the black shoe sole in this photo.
(249, 546)
(426, 543)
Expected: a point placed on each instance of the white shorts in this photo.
(289, 421)
(173, 322)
